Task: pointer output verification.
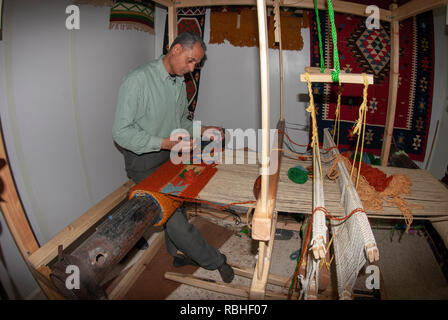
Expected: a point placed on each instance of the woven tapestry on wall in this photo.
(368, 51)
(138, 15)
(239, 26)
(189, 20)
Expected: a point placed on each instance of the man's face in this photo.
(185, 60)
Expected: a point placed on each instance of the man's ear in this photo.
(177, 48)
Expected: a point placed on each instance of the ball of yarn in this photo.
(298, 174)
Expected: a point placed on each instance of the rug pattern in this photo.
(363, 50)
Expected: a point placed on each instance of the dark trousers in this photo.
(179, 233)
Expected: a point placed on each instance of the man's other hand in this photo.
(212, 133)
(182, 141)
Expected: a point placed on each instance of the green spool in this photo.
(298, 174)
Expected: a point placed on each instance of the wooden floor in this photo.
(409, 267)
(152, 285)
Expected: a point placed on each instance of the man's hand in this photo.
(183, 141)
(213, 133)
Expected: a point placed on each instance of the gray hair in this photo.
(188, 40)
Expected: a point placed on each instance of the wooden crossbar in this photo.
(228, 288)
(317, 76)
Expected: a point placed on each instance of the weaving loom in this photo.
(353, 241)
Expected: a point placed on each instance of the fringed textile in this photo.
(137, 15)
(363, 50)
(239, 26)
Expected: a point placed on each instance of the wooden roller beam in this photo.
(317, 76)
(69, 234)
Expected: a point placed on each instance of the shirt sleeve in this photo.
(126, 132)
(185, 123)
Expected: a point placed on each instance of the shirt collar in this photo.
(164, 73)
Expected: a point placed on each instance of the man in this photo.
(152, 102)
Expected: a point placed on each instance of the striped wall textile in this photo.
(189, 20)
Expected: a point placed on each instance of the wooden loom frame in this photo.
(37, 258)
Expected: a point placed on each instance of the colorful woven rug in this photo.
(183, 180)
(189, 20)
(138, 15)
(363, 50)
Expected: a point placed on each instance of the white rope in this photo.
(353, 238)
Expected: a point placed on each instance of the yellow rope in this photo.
(337, 116)
(324, 260)
(315, 137)
(360, 126)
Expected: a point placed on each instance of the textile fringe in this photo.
(372, 200)
(96, 3)
(241, 30)
(130, 25)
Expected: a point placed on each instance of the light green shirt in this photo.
(151, 104)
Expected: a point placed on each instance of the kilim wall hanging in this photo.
(189, 20)
(239, 26)
(138, 15)
(363, 50)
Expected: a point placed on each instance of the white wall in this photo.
(58, 93)
(229, 92)
(439, 158)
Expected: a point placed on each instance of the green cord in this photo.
(334, 36)
(322, 63)
(334, 74)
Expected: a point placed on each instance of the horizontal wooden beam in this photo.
(416, 7)
(272, 278)
(338, 6)
(165, 3)
(356, 78)
(218, 286)
(287, 223)
(69, 234)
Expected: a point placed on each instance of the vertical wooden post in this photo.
(264, 77)
(278, 38)
(172, 24)
(13, 211)
(16, 219)
(393, 86)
